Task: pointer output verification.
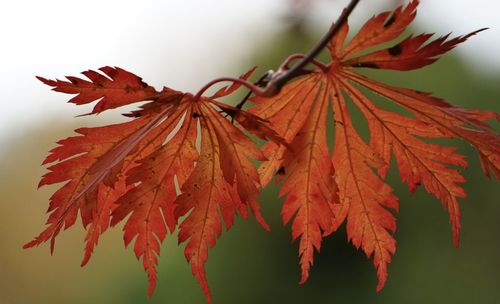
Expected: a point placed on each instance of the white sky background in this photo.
(182, 44)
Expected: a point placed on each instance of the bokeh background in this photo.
(184, 44)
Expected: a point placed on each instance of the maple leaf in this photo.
(321, 193)
(133, 170)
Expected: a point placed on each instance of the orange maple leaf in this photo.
(364, 199)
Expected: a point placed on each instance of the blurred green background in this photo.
(249, 265)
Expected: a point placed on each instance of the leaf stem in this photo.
(286, 64)
(255, 89)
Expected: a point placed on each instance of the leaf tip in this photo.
(28, 245)
(50, 83)
(456, 237)
(380, 285)
(86, 258)
(305, 274)
(152, 285)
(52, 245)
(382, 277)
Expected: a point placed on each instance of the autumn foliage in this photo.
(185, 163)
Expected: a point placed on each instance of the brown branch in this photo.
(266, 77)
(280, 80)
(285, 74)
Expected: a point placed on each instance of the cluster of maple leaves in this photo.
(181, 164)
